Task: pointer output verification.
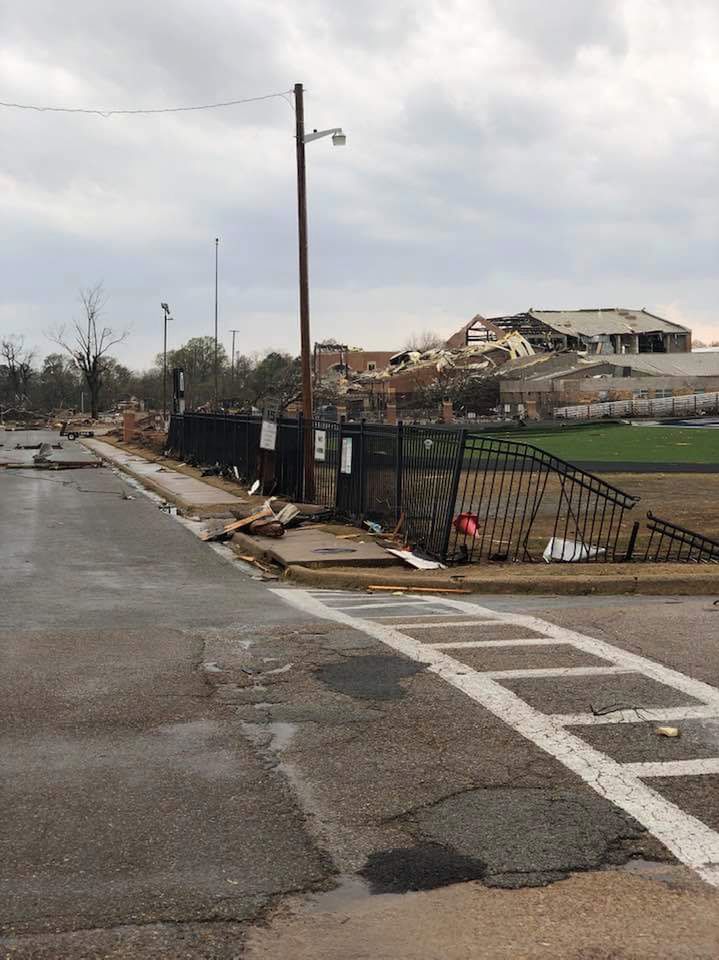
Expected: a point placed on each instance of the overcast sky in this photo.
(501, 154)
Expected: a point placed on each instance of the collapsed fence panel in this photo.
(516, 502)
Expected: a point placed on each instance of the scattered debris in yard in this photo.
(466, 523)
(569, 551)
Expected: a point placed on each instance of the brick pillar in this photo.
(128, 425)
(447, 412)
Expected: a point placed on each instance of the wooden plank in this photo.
(236, 525)
(419, 589)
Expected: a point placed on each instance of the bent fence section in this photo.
(459, 496)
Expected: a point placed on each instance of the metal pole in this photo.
(304, 288)
(164, 372)
(233, 332)
(217, 243)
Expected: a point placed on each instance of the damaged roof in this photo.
(613, 320)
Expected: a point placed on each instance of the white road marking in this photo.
(691, 841)
(447, 623)
(674, 768)
(636, 715)
(372, 606)
(478, 644)
(553, 672)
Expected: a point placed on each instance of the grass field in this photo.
(620, 443)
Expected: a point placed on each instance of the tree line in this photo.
(82, 373)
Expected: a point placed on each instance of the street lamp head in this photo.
(165, 307)
(339, 139)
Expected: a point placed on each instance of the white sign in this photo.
(320, 445)
(268, 435)
(346, 462)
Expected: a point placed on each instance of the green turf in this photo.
(610, 442)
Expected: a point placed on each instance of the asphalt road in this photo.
(196, 764)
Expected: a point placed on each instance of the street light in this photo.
(339, 140)
(166, 311)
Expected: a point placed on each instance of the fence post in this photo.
(632, 542)
(361, 472)
(454, 487)
(399, 466)
(300, 484)
(338, 473)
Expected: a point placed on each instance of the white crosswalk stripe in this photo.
(692, 841)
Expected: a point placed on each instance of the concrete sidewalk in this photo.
(188, 493)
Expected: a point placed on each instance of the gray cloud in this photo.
(500, 154)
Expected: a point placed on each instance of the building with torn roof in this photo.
(411, 376)
(605, 332)
(535, 386)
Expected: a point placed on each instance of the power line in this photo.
(140, 111)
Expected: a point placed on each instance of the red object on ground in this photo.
(466, 523)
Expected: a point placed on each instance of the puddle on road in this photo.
(370, 677)
(425, 866)
(348, 892)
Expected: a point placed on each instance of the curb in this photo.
(664, 583)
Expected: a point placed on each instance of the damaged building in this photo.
(421, 383)
(608, 331)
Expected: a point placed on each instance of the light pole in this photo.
(339, 140)
(233, 332)
(217, 244)
(166, 311)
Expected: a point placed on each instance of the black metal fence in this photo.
(458, 496)
(670, 543)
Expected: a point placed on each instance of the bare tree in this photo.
(426, 340)
(17, 361)
(89, 342)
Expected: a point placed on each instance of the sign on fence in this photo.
(321, 445)
(346, 461)
(268, 435)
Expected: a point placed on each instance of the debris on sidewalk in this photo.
(419, 563)
(236, 525)
(267, 527)
(668, 732)
(287, 514)
(373, 527)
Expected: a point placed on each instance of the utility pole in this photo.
(233, 332)
(217, 244)
(304, 290)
